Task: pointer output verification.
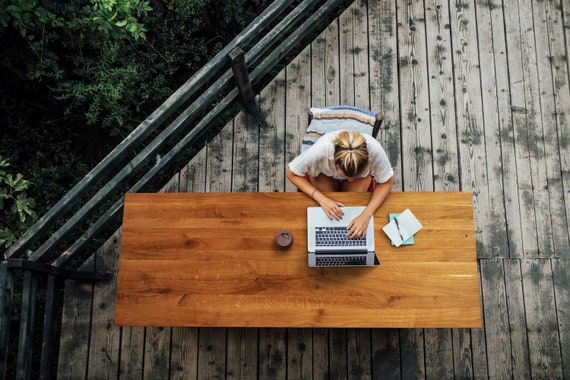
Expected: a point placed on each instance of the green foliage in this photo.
(109, 63)
(109, 16)
(22, 14)
(16, 207)
(79, 76)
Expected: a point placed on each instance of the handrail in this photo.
(56, 271)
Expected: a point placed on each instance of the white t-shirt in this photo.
(319, 158)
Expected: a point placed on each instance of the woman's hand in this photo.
(357, 227)
(331, 207)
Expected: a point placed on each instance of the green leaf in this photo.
(23, 207)
(17, 184)
(7, 237)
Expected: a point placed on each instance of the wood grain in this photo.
(209, 260)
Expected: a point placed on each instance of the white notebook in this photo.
(402, 227)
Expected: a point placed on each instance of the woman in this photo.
(343, 161)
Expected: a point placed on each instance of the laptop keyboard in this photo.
(336, 236)
(340, 261)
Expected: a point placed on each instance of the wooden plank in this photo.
(496, 318)
(470, 127)
(219, 161)
(346, 68)
(321, 353)
(242, 353)
(439, 354)
(104, 345)
(542, 327)
(6, 300)
(491, 43)
(472, 343)
(517, 321)
(212, 353)
(384, 89)
(561, 276)
(412, 353)
(469, 358)
(27, 321)
(273, 353)
(360, 49)
(193, 175)
(534, 144)
(272, 140)
(353, 60)
(184, 353)
(500, 148)
(132, 352)
(332, 65)
(50, 327)
(442, 107)
(297, 104)
(386, 354)
(325, 82)
(566, 23)
(318, 93)
(561, 70)
(551, 58)
(245, 156)
(516, 47)
(76, 326)
(359, 353)
(337, 348)
(156, 356)
(300, 353)
(414, 98)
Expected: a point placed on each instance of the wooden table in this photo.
(208, 259)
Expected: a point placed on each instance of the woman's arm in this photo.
(331, 207)
(302, 183)
(358, 226)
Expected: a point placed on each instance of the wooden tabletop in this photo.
(209, 259)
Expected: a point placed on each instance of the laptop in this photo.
(328, 245)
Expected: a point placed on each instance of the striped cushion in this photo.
(334, 118)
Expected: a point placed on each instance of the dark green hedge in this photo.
(76, 77)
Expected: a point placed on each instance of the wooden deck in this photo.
(476, 96)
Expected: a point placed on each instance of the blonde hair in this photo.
(350, 153)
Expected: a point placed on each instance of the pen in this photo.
(398, 228)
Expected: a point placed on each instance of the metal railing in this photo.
(214, 89)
